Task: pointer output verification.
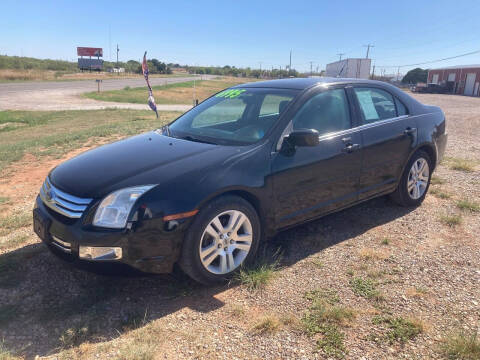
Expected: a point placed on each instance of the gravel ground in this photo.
(424, 269)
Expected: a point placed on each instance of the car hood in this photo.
(149, 158)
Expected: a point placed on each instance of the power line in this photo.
(340, 56)
(432, 61)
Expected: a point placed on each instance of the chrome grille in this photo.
(63, 203)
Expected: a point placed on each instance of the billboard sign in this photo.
(90, 64)
(89, 51)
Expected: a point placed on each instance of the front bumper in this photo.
(151, 245)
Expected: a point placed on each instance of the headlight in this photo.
(114, 209)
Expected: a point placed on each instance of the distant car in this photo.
(248, 162)
(432, 89)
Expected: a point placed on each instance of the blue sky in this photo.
(245, 33)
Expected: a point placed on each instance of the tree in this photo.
(415, 76)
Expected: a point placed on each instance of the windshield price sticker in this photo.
(230, 94)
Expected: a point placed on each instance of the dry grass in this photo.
(374, 254)
(267, 324)
(451, 220)
(462, 346)
(461, 164)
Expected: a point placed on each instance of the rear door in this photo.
(316, 180)
(388, 135)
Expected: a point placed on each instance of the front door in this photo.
(389, 134)
(469, 84)
(315, 180)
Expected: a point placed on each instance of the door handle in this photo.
(351, 148)
(410, 131)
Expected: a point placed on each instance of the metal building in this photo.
(349, 68)
(462, 79)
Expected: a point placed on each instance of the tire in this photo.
(405, 194)
(222, 255)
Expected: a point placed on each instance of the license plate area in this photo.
(41, 225)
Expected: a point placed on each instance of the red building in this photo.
(462, 79)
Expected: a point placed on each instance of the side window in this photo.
(401, 109)
(274, 104)
(375, 104)
(325, 112)
(229, 110)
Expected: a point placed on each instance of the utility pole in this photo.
(340, 56)
(260, 68)
(311, 68)
(373, 72)
(368, 49)
(290, 66)
(398, 73)
(117, 56)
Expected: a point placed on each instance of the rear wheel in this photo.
(224, 236)
(415, 181)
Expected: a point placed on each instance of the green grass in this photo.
(451, 220)
(462, 346)
(257, 277)
(399, 329)
(177, 93)
(385, 241)
(468, 205)
(4, 200)
(48, 133)
(14, 222)
(13, 242)
(365, 288)
(325, 317)
(440, 194)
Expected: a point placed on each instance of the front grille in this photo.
(63, 203)
(62, 245)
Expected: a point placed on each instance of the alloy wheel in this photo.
(418, 178)
(226, 242)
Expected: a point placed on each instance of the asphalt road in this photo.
(64, 95)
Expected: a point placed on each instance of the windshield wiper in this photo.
(191, 138)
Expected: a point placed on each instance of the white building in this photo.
(349, 68)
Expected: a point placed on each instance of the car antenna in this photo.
(151, 100)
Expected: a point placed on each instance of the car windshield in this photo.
(237, 116)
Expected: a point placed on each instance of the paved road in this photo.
(64, 95)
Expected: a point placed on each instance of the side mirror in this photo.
(303, 137)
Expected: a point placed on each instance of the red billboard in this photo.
(89, 51)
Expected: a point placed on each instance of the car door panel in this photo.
(316, 180)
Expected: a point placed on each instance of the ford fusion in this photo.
(205, 190)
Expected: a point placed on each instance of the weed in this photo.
(451, 220)
(385, 241)
(324, 317)
(133, 320)
(350, 272)
(468, 205)
(373, 254)
(258, 277)
(318, 263)
(73, 336)
(462, 346)
(5, 354)
(399, 329)
(237, 310)
(435, 180)
(4, 200)
(440, 194)
(126, 88)
(461, 164)
(417, 292)
(365, 288)
(266, 325)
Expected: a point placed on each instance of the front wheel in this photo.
(224, 235)
(415, 181)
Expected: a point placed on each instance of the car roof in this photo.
(302, 83)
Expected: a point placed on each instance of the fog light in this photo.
(98, 253)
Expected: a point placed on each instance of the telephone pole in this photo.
(340, 56)
(290, 66)
(368, 49)
(311, 68)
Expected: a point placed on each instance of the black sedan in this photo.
(249, 161)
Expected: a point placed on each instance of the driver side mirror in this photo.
(303, 137)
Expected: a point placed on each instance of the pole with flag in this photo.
(151, 100)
